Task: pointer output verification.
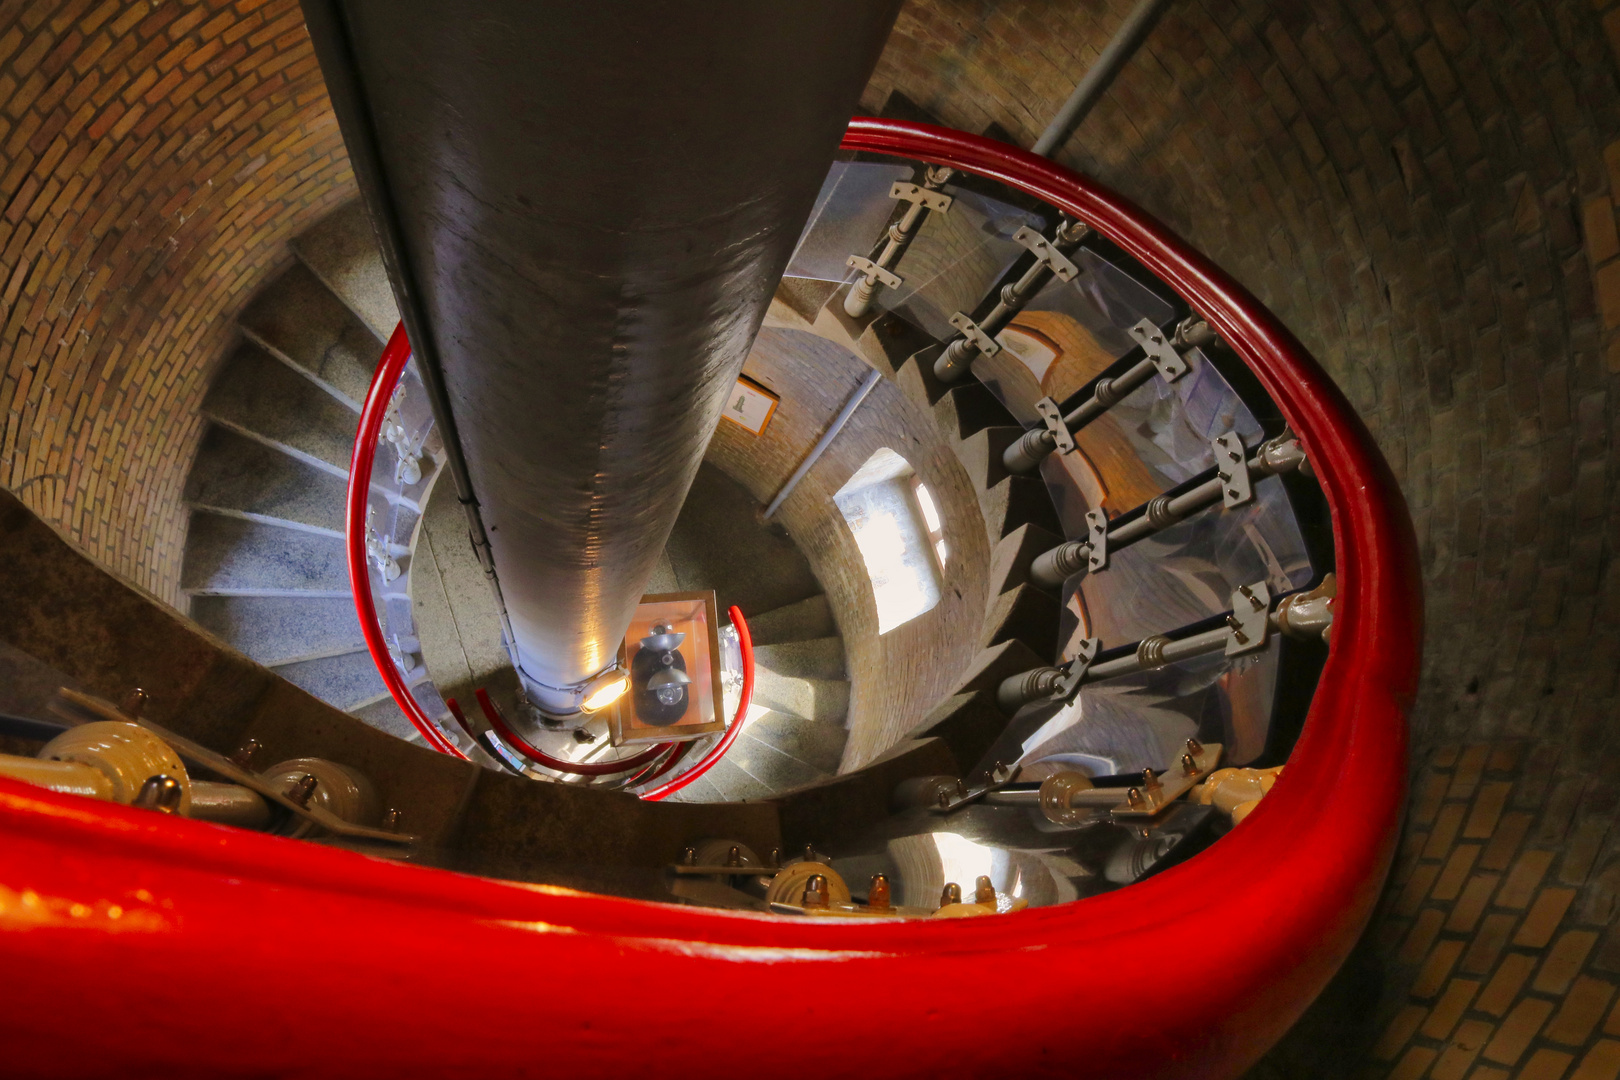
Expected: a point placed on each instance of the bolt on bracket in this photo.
(970, 330)
(1075, 670)
(1159, 350)
(1232, 466)
(1052, 416)
(1096, 540)
(1250, 621)
(871, 271)
(1044, 251)
(905, 191)
(954, 799)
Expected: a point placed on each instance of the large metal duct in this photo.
(585, 208)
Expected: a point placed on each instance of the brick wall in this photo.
(154, 160)
(1425, 193)
(897, 678)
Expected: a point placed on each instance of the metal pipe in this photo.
(229, 804)
(825, 441)
(1303, 615)
(1034, 445)
(67, 777)
(900, 235)
(1051, 568)
(588, 285)
(1127, 39)
(958, 357)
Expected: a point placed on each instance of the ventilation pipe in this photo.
(584, 209)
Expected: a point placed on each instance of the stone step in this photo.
(772, 768)
(281, 629)
(342, 252)
(1029, 614)
(820, 658)
(229, 555)
(734, 784)
(801, 621)
(386, 715)
(825, 700)
(819, 745)
(698, 791)
(300, 320)
(236, 474)
(345, 682)
(261, 397)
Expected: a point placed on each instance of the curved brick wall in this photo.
(154, 160)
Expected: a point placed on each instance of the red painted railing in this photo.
(390, 367)
(1192, 973)
(396, 354)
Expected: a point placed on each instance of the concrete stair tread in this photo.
(821, 658)
(232, 555)
(770, 766)
(799, 621)
(818, 744)
(235, 473)
(698, 791)
(342, 251)
(299, 319)
(386, 715)
(734, 784)
(281, 629)
(348, 682)
(813, 699)
(260, 396)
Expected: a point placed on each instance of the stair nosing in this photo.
(337, 395)
(265, 440)
(298, 253)
(265, 519)
(307, 594)
(326, 654)
(792, 757)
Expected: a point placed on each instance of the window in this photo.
(930, 513)
(897, 527)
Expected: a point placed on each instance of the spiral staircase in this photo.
(1086, 657)
(265, 565)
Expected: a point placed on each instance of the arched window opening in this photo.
(900, 534)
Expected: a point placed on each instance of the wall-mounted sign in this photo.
(750, 406)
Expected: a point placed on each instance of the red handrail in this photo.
(396, 354)
(580, 768)
(1262, 919)
(729, 736)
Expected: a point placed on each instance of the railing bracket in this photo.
(1159, 350)
(1096, 540)
(927, 198)
(970, 330)
(954, 799)
(1052, 416)
(871, 271)
(1250, 621)
(1068, 687)
(1047, 253)
(1232, 466)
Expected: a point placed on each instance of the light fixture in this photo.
(607, 693)
(669, 683)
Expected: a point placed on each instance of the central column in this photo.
(588, 207)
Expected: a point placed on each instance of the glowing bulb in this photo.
(607, 695)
